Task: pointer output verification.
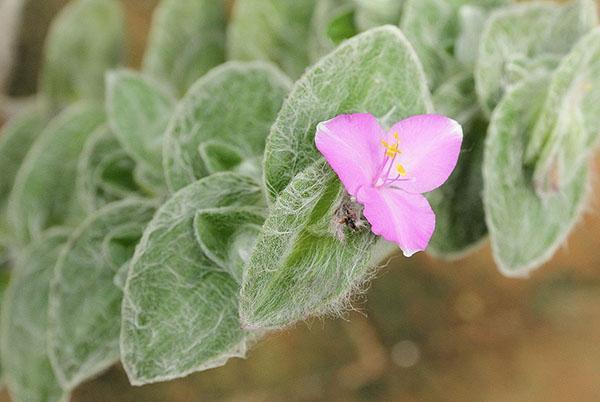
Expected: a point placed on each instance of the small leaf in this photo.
(342, 27)
(299, 266)
(85, 40)
(180, 310)
(376, 72)
(271, 30)
(569, 125)
(139, 110)
(187, 39)
(227, 236)
(235, 103)
(219, 157)
(522, 34)
(85, 305)
(324, 16)
(25, 362)
(44, 190)
(104, 172)
(525, 230)
(16, 139)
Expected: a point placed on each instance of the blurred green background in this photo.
(425, 330)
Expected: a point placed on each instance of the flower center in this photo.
(391, 152)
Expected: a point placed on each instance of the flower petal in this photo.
(351, 145)
(400, 217)
(429, 146)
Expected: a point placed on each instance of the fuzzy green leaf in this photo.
(305, 261)
(180, 310)
(139, 110)
(376, 72)
(44, 190)
(85, 305)
(16, 139)
(433, 28)
(525, 230)
(527, 37)
(569, 125)
(187, 39)
(84, 41)
(104, 172)
(27, 370)
(235, 103)
(227, 235)
(271, 30)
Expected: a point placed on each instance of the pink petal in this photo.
(400, 217)
(429, 146)
(351, 144)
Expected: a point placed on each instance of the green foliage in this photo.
(569, 125)
(361, 75)
(139, 110)
(512, 46)
(25, 363)
(300, 266)
(187, 40)
(16, 138)
(84, 318)
(84, 41)
(180, 308)
(105, 173)
(271, 30)
(232, 107)
(374, 13)
(44, 189)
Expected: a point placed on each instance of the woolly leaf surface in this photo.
(187, 39)
(376, 72)
(25, 363)
(235, 104)
(85, 305)
(180, 310)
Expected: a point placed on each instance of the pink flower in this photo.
(388, 172)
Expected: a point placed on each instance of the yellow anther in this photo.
(400, 169)
(396, 136)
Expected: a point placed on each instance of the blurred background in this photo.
(425, 330)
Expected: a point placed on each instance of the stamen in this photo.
(400, 169)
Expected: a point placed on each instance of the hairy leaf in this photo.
(525, 230)
(139, 110)
(301, 265)
(187, 40)
(27, 370)
(433, 28)
(569, 125)
(234, 104)
(180, 310)
(104, 171)
(527, 37)
(271, 30)
(376, 72)
(84, 41)
(16, 139)
(44, 190)
(85, 305)
(227, 235)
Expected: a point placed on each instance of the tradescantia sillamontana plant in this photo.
(169, 217)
